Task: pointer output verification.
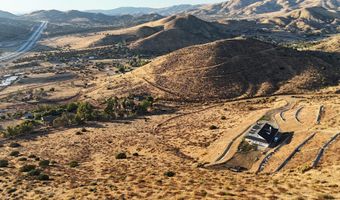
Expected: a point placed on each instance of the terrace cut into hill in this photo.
(228, 69)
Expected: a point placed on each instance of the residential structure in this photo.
(263, 135)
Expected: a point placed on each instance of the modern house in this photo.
(263, 135)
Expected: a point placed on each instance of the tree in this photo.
(72, 107)
(85, 111)
(112, 106)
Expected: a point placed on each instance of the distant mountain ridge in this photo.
(248, 8)
(79, 17)
(147, 10)
(5, 14)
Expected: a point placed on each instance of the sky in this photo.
(22, 6)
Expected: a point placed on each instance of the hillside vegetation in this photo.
(229, 69)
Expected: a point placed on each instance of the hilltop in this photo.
(168, 34)
(146, 10)
(307, 20)
(230, 69)
(77, 17)
(251, 8)
(5, 14)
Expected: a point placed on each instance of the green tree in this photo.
(112, 106)
(85, 111)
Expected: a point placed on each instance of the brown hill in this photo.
(312, 19)
(168, 34)
(229, 69)
(331, 44)
(179, 32)
(77, 17)
(13, 29)
(247, 8)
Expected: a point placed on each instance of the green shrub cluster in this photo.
(23, 128)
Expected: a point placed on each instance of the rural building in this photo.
(263, 135)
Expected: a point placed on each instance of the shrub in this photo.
(44, 163)
(135, 154)
(37, 116)
(326, 197)
(169, 174)
(27, 168)
(246, 147)
(66, 119)
(79, 133)
(3, 163)
(43, 177)
(121, 155)
(213, 127)
(73, 164)
(34, 172)
(144, 106)
(305, 168)
(223, 118)
(32, 156)
(23, 128)
(14, 145)
(22, 159)
(14, 153)
(72, 107)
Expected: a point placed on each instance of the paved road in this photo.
(27, 46)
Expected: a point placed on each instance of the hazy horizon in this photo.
(20, 7)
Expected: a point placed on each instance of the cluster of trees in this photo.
(23, 128)
(77, 113)
(126, 107)
(136, 61)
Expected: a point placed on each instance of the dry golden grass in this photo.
(168, 143)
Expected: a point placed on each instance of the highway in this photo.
(27, 45)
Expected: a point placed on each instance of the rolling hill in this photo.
(307, 20)
(252, 8)
(168, 34)
(146, 10)
(228, 69)
(85, 18)
(306, 17)
(14, 28)
(4, 14)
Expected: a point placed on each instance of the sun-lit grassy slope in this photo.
(155, 37)
(177, 145)
(228, 69)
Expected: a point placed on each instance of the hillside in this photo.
(14, 28)
(168, 34)
(146, 10)
(229, 69)
(331, 44)
(85, 18)
(4, 14)
(307, 20)
(305, 17)
(251, 8)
